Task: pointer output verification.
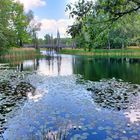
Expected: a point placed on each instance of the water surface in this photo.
(90, 68)
(64, 105)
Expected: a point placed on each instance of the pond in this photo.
(70, 98)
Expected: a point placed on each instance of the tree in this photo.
(80, 9)
(105, 24)
(5, 9)
(13, 25)
(118, 8)
(47, 39)
(41, 41)
(3, 41)
(20, 24)
(33, 28)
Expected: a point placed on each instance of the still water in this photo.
(77, 98)
(94, 69)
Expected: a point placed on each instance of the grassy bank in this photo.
(20, 53)
(129, 52)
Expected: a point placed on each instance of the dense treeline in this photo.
(16, 26)
(105, 23)
(49, 39)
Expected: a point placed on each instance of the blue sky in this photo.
(51, 13)
(54, 9)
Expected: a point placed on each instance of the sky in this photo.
(51, 13)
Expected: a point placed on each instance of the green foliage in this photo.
(20, 24)
(14, 25)
(129, 52)
(67, 41)
(3, 42)
(118, 8)
(47, 39)
(4, 30)
(105, 24)
(41, 41)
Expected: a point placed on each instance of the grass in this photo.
(129, 52)
(20, 53)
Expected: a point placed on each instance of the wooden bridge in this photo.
(49, 46)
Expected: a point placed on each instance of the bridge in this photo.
(50, 46)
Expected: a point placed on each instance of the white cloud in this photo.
(29, 4)
(50, 26)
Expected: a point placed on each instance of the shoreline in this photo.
(20, 53)
(132, 53)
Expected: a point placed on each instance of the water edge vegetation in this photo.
(129, 52)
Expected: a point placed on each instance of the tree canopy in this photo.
(105, 23)
(15, 25)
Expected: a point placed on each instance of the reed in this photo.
(104, 52)
(20, 53)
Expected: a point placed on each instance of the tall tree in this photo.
(79, 11)
(105, 23)
(5, 10)
(20, 23)
(33, 28)
(13, 25)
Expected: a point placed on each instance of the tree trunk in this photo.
(35, 42)
(109, 40)
(122, 45)
(20, 42)
(89, 47)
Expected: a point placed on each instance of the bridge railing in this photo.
(48, 46)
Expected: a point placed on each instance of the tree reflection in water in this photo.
(90, 68)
